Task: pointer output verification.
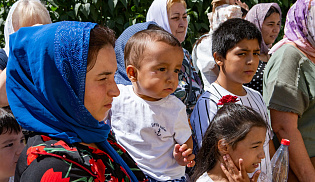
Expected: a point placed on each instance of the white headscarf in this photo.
(8, 27)
(223, 13)
(158, 13)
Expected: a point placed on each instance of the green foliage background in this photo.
(119, 14)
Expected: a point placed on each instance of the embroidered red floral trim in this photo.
(45, 138)
(98, 168)
(64, 145)
(117, 145)
(51, 176)
(100, 152)
(68, 160)
(227, 99)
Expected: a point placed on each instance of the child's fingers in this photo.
(176, 148)
(230, 164)
(191, 163)
(183, 147)
(242, 168)
(190, 157)
(255, 176)
(187, 152)
(226, 172)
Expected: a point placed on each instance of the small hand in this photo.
(183, 155)
(234, 174)
(243, 5)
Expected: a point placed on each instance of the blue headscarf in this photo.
(46, 84)
(121, 75)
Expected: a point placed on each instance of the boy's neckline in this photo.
(244, 92)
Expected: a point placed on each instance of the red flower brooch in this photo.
(227, 98)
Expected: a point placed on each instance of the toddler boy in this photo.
(148, 122)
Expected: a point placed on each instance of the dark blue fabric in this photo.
(46, 83)
(3, 59)
(121, 75)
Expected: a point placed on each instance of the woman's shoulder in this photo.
(288, 51)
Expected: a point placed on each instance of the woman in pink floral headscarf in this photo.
(289, 88)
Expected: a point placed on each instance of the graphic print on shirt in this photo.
(158, 128)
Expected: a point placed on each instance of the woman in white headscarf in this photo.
(23, 13)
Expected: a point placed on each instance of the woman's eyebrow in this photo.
(255, 143)
(107, 73)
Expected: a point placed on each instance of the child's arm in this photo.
(183, 153)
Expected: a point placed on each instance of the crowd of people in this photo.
(79, 105)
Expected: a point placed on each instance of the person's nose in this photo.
(250, 59)
(276, 29)
(261, 154)
(181, 22)
(172, 77)
(113, 90)
(20, 149)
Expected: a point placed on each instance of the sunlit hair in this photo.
(8, 124)
(170, 3)
(272, 10)
(231, 32)
(137, 44)
(231, 123)
(28, 13)
(99, 38)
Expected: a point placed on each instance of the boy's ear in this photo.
(218, 58)
(131, 73)
(223, 147)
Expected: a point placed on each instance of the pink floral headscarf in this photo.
(299, 27)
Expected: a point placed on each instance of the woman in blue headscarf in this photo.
(60, 84)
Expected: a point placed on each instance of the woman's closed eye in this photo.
(175, 18)
(177, 70)
(102, 79)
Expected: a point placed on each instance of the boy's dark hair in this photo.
(231, 32)
(8, 123)
(99, 37)
(137, 44)
(271, 10)
(231, 123)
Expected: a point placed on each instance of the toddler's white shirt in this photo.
(149, 131)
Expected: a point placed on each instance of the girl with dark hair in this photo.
(236, 133)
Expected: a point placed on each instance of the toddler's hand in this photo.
(234, 174)
(183, 155)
